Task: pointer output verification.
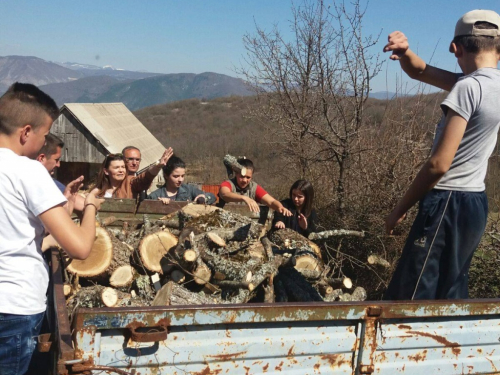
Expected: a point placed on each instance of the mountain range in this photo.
(81, 83)
(72, 82)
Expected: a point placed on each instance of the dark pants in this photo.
(17, 341)
(438, 252)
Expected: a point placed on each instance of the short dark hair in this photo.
(25, 104)
(52, 142)
(307, 189)
(172, 164)
(129, 148)
(247, 163)
(475, 44)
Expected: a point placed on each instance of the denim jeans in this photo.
(17, 341)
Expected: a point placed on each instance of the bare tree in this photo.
(313, 88)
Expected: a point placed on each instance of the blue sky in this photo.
(196, 36)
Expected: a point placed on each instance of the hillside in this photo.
(173, 87)
(83, 90)
(30, 69)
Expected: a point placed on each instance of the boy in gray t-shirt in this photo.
(450, 186)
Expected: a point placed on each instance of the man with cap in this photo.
(450, 186)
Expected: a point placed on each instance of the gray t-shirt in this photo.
(475, 97)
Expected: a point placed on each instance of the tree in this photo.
(313, 88)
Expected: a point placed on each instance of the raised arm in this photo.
(414, 66)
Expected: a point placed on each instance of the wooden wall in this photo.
(79, 144)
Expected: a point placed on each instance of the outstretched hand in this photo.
(397, 44)
(286, 212)
(252, 205)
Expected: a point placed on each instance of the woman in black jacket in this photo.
(303, 219)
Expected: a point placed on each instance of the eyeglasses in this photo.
(133, 159)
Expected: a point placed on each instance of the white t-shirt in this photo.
(475, 97)
(26, 191)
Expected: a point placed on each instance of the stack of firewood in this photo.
(201, 255)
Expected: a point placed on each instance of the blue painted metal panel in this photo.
(456, 345)
(301, 348)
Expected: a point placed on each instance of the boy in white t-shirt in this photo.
(30, 203)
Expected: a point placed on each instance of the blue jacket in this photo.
(186, 192)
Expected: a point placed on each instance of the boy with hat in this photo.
(450, 186)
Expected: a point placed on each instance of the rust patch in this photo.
(264, 368)
(404, 326)
(227, 357)
(418, 357)
(492, 364)
(290, 351)
(279, 367)
(247, 370)
(228, 333)
(383, 356)
(207, 371)
(335, 360)
(438, 338)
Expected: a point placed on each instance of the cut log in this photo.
(196, 210)
(232, 165)
(269, 296)
(335, 233)
(324, 289)
(214, 238)
(122, 277)
(359, 294)
(202, 273)
(153, 247)
(268, 247)
(99, 259)
(307, 261)
(111, 297)
(379, 261)
(291, 240)
(340, 282)
(143, 288)
(174, 294)
(256, 250)
(233, 270)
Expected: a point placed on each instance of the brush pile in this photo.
(201, 255)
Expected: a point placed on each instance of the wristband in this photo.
(89, 204)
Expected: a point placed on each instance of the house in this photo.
(91, 131)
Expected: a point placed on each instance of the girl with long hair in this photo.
(300, 204)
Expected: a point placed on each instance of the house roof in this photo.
(115, 127)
